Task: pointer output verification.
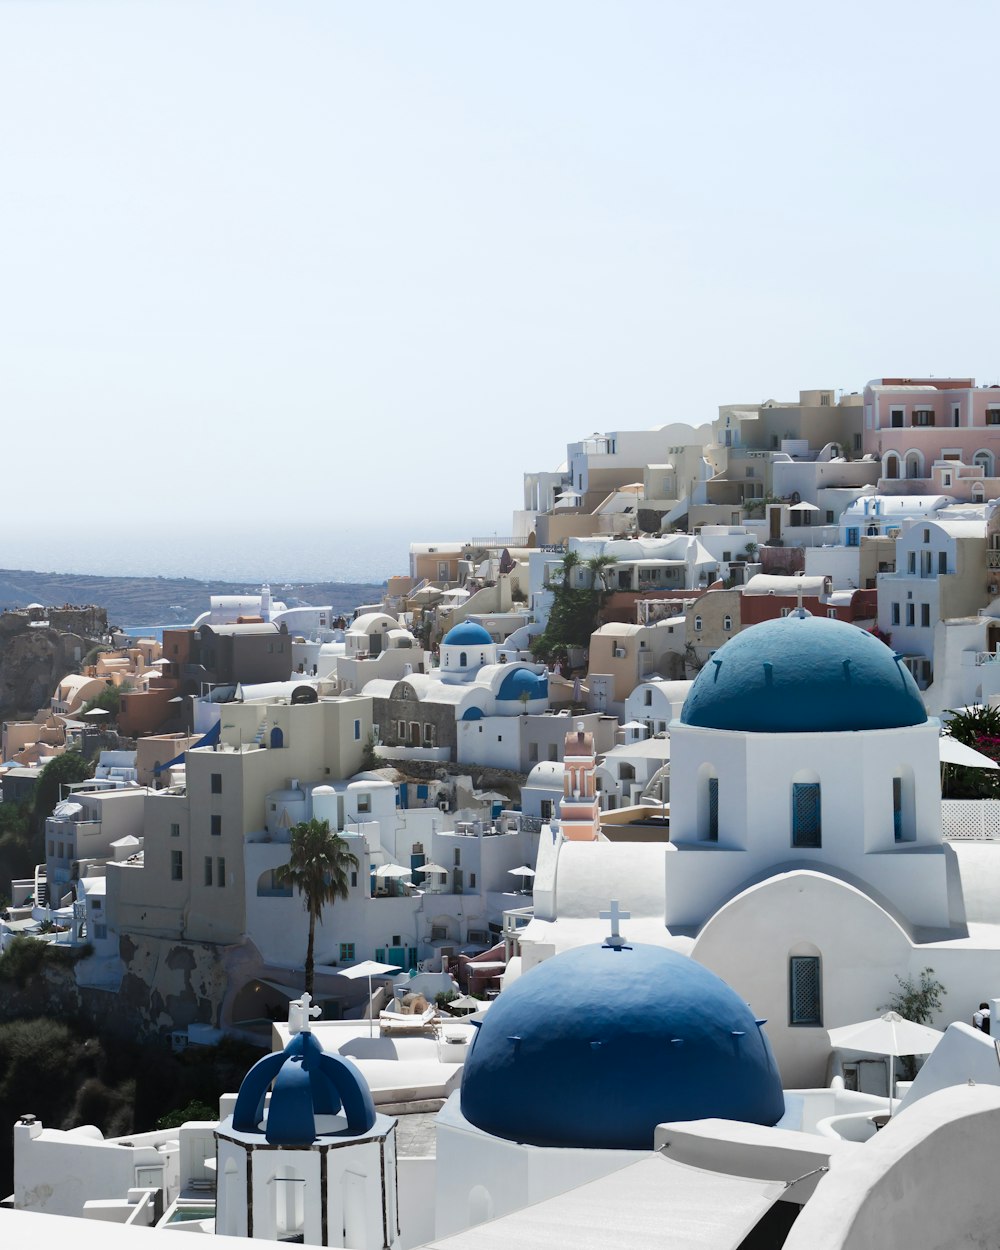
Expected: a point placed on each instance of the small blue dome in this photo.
(803, 674)
(467, 634)
(524, 681)
(595, 1047)
(307, 1082)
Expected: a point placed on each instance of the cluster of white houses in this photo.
(741, 776)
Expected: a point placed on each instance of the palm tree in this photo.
(319, 869)
(598, 566)
(569, 562)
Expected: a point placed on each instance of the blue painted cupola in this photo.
(307, 1083)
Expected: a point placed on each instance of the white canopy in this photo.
(886, 1035)
(525, 871)
(394, 870)
(954, 752)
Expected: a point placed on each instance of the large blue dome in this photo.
(467, 634)
(523, 681)
(803, 674)
(595, 1047)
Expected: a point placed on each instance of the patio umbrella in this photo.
(435, 868)
(803, 507)
(465, 1002)
(393, 870)
(524, 871)
(887, 1035)
(369, 968)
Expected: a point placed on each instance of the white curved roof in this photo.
(372, 621)
(777, 584)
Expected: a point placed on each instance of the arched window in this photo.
(914, 464)
(978, 494)
(697, 624)
(463, 659)
(727, 623)
(983, 459)
(708, 804)
(890, 465)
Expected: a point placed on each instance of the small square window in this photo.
(347, 955)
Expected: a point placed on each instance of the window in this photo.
(176, 865)
(463, 659)
(896, 418)
(647, 698)
(713, 809)
(830, 517)
(805, 997)
(472, 880)
(208, 870)
(857, 442)
(727, 623)
(854, 536)
(458, 857)
(945, 479)
(750, 470)
(347, 955)
(100, 931)
(894, 613)
(216, 783)
(401, 730)
(532, 752)
(216, 826)
(911, 562)
(832, 613)
(909, 614)
(923, 416)
(806, 815)
(925, 615)
(364, 802)
(357, 731)
(897, 808)
(927, 536)
(697, 624)
(220, 872)
(354, 878)
(175, 831)
(784, 611)
(993, 416)
(428, 734)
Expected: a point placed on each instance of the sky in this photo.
(295, 282)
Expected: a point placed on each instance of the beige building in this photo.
(190, 884)
(709, 622)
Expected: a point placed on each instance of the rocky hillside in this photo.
(35, 657)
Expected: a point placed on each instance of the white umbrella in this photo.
(436, 868)
(954, 752)
(803, 507)
(522, 872)
(464, 1002)
(369, 968)
(393, 870)
(887, 1035)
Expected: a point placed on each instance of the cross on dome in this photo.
(615, 914)
(299, 1012)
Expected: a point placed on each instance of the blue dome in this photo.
(524, 681)
(307, 1082)
(595, 1047)
(467, 634)
(803, 674)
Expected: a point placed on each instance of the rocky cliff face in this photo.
(35, 657)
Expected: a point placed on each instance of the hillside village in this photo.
(692, 710)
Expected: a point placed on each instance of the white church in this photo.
(805, 862)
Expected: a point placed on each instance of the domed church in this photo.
(804, 862)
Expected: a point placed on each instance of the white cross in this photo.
(299, 1011)
(614, 915)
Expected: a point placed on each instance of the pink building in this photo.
(934, 435)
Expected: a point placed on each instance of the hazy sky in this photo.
(329, 264)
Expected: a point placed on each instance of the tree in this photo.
(598, 566)
(65, 768)
(319, 868)
(918, 1001)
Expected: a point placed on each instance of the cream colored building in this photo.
(190, 884)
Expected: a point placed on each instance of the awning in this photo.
(954, 752)
(657, 1202)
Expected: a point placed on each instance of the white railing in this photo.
(971, 820)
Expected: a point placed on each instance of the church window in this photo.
(463, 659)
(713, 809)
(697, 624)
(806, 815)
(727, 623)
(805, 992)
